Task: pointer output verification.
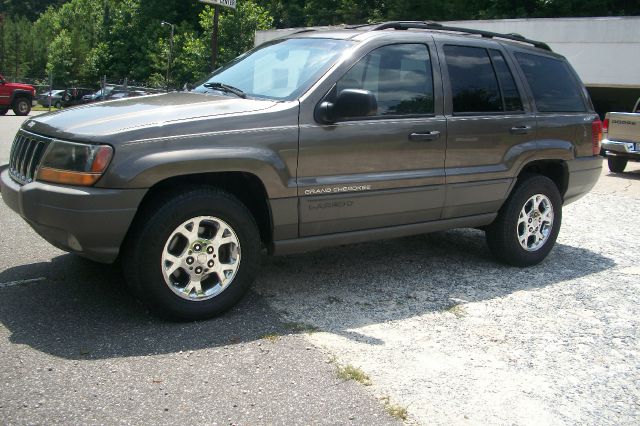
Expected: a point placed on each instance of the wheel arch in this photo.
(556, 170)
(247, 187)
(20, 93)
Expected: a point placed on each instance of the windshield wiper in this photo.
(226, 88)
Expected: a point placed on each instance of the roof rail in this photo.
(304, 30)
(430, 25)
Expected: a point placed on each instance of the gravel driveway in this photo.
(458, 339)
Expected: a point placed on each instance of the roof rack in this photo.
(304, 30)
(430, 25)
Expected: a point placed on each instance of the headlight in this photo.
(74, 163)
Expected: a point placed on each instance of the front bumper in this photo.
(583, 175)
(620, 149)
(89, 221)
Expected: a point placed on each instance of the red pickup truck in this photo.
(16, 96)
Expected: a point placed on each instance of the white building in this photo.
(605, 51)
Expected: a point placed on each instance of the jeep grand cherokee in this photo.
(312, 140)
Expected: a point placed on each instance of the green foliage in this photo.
(81, 40)
(60, 59)
(237, 28)
(286, 14)
(27, 8)
(15, 45)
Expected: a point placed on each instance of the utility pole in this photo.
(214, 37)
(214, 33)
(50, 88)
(2, 16)
(17, 52)
(170, 59)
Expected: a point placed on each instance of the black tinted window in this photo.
(552, 83)
(473, 82)
(398, 75)
(510, 94)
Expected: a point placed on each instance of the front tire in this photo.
(617, 164)
(21, 106)
(527, 225)
(192, 255)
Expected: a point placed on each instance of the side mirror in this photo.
(350, 103)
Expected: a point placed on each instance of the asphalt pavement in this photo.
(76, 348)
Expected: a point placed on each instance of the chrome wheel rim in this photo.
(201, 258)
(23, 106)
(535, 222)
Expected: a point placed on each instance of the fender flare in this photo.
(19, 93)
(547, 150)
(153, 168)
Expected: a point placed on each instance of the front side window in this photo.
(280, 70)
(398, 75)
(552, 83)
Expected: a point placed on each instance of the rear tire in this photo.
(3, 111)
(617, 164)
(209, 275)
(58, 105)
(21, 106)
(528, 223)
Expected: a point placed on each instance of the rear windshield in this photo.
(554, 87)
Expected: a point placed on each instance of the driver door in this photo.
(381, 170)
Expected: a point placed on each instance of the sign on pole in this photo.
(225, 3)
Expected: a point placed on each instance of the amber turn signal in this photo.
(66, 177)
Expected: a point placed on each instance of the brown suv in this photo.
(312, 140)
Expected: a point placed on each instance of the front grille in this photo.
(25, 157)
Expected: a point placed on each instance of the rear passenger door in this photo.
(489, 126)
(563, 110)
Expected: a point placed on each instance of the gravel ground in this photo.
(456, 338)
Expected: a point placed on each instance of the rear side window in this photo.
(400, 77)
(509, 90)
(474, 85)
(481, 81)
(554, 87)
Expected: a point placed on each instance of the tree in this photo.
(124, 39)
(61, 61)
(29, 9)
(15, 47)
(237, 27)
(286, 14)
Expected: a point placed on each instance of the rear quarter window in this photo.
(554, 87)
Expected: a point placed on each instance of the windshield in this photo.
(282, 69)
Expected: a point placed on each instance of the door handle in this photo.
(428, 136)
(520, 130)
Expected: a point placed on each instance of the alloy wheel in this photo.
(201, 258)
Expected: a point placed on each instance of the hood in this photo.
(145, 116)
(20, 86)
